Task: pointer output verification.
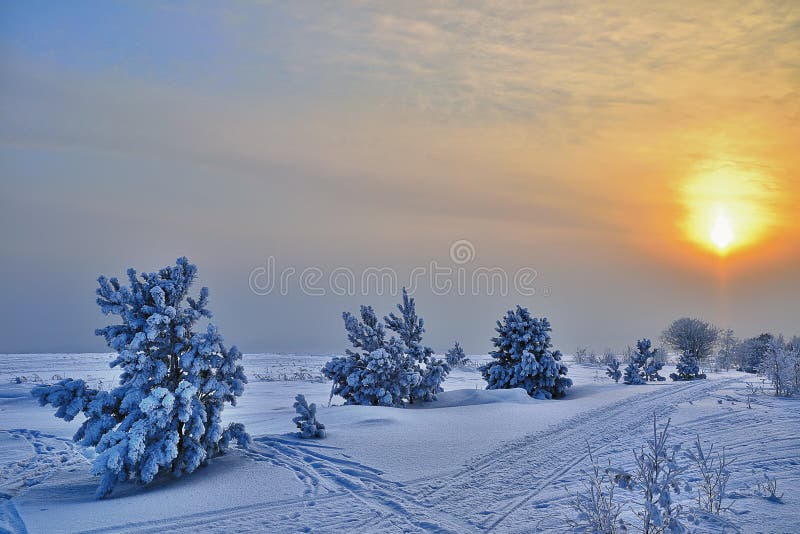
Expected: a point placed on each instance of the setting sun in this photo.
(729, 206)
(722, 234)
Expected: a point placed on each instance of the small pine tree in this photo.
(432, 370)
(524, 358)
(383, 372)
(687, 368)
(377, 375)
(306, 419)
(632, 375)
(166, 412)
(455, 357)
(648, 361)
(613, 371)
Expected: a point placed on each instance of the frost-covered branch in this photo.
(714, 470)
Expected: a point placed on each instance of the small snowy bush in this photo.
(690, 336)
(768, 489)
(656, 479)
(306, 419)
(633, 375)
(714, 470)
(643, 364)
(613, 371)
(455, 357)
(523, 357)
(687, 368)
(751, 393)
(383, 372)
(597, 510)
(166, 412)
(648, 358)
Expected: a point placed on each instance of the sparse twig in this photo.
(714, 472)
(752, 391)
(769, 489)
(597, 511)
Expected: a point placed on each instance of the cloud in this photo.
(582, 62)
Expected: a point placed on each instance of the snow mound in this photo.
(472, 397)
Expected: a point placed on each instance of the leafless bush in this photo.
(595, 507)
(714, 474)
(655, 480)
(769, 489)
(752, 392)
(657, 476)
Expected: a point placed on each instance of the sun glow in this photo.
(722, 234)
(728, 207)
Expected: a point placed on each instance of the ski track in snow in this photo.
(50, 455)
(519, 487)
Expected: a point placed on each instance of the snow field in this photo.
(472, 461)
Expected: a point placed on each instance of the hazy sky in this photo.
(593, 146)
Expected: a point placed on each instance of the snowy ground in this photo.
(474, 460)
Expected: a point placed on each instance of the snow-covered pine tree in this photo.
(432, 370)
(383, 372)
(306, 419)
(455, 357)
(166, 412)
(640, 355)
(524, 358)
(633, 375)
(687, 368)
(646, 358)
(378, 372)
(613, 371)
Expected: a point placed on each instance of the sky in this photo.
(612, 167)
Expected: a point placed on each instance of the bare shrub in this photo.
(714, 469)
(769, 489)
(595, 507)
